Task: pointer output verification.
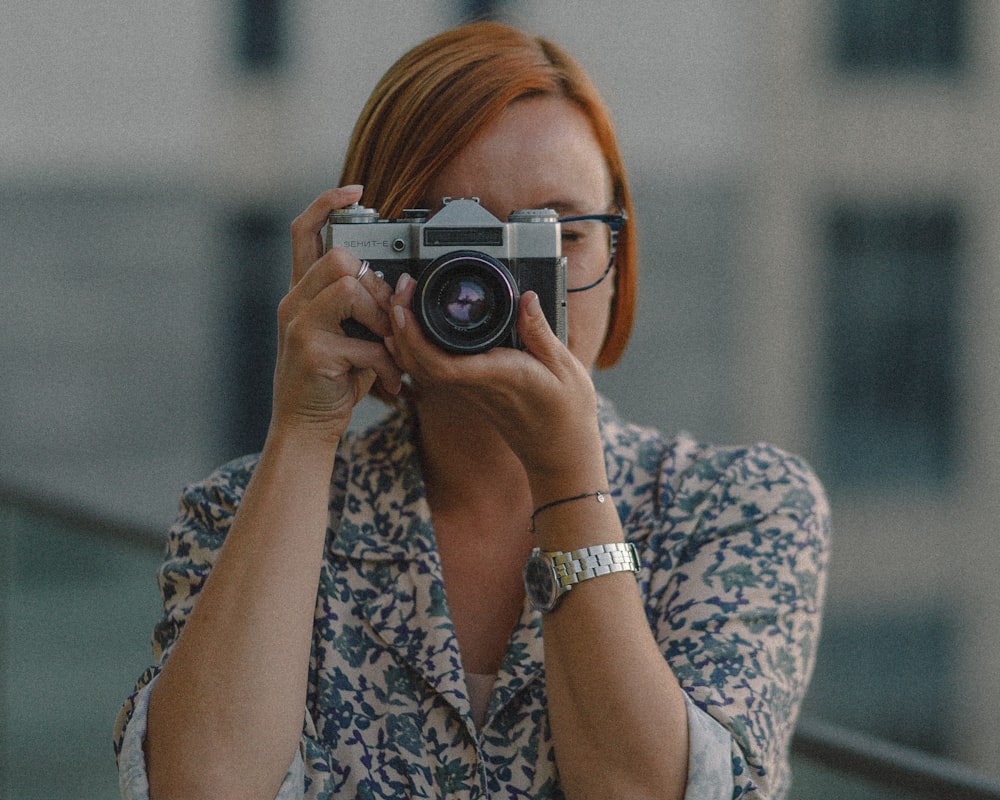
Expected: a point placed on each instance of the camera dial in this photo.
(354, 213)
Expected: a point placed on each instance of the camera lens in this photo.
(466, 302)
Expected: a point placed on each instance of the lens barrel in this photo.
(466, 302)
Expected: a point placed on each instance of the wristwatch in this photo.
(549, 575)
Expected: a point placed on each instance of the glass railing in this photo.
(78, 600)
(836, 763)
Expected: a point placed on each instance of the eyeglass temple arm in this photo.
(614, 221)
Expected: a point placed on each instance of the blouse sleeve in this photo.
(133, 781)
(739, 584)
(710, 770)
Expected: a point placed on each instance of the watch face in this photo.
(539, 583)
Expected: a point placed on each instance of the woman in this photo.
(418, 669)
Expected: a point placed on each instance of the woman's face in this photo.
(541, 153)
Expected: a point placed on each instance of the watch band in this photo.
(581, 565)
(549, 575)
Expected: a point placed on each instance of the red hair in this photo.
(435, 99)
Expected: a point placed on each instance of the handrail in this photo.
(839, 749)
(890, 765)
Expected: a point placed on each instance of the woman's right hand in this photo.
(243, 655)
(321, 373)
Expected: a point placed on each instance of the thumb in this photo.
(534, 329)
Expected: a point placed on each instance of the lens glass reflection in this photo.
(466, 302)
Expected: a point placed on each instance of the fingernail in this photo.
(403, 282)
(534, 307)
(400, 316)
(353, 187)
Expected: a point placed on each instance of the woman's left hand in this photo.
(543, 403)
(541, 400)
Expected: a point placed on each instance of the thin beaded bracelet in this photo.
(600, 494)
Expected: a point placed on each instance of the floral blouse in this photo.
(733, 545)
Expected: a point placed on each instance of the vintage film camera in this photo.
(470, 267)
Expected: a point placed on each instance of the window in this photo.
(899, 35)
(260, 34)
(890, 345)
(481, 9)
(257, 245)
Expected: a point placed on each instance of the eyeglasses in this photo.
(615, 223)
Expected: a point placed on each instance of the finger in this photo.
(348, 299)
(307, 243)
(373, 356)
(402, 296)
(346, 369)
(339, 263)
(427, 362)
(409, 345)
(335, 357)
(376, 285)
(536, 334)
(336, 265)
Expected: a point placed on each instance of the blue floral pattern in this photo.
(734, 545)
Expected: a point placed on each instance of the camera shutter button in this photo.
(353, 214)
(533, 215)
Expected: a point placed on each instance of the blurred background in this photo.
(817, 191)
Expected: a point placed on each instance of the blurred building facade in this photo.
(817, 194)
(871, 235)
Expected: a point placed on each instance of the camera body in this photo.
(470, 268)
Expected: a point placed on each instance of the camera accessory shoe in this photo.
(549, 575)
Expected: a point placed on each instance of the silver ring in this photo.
(365, 266)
